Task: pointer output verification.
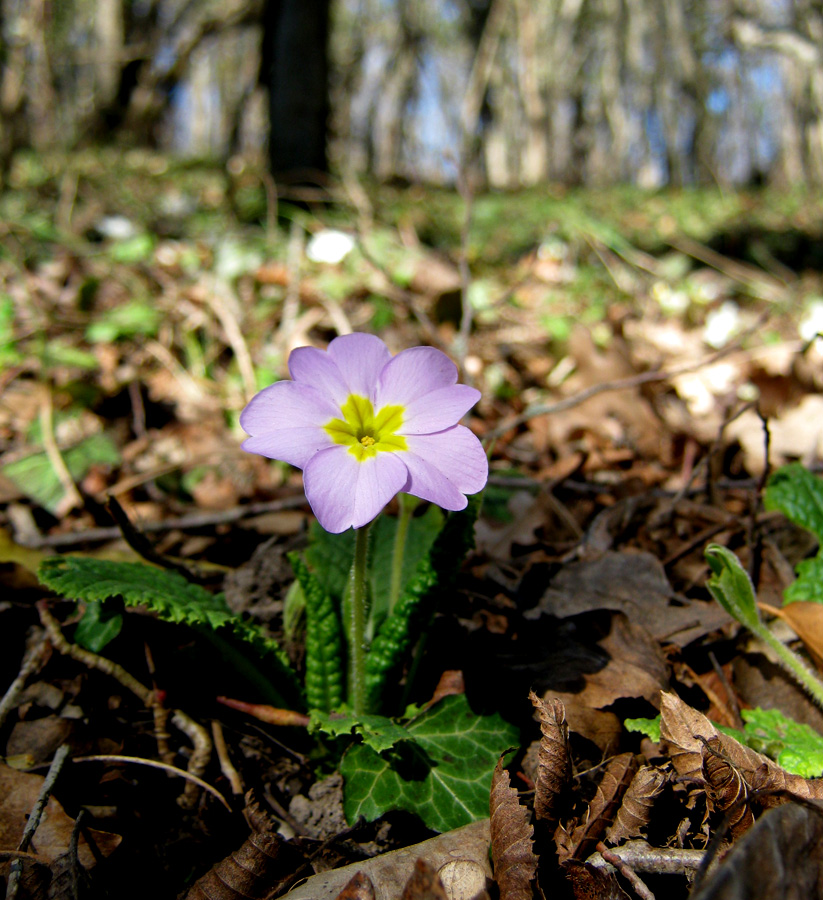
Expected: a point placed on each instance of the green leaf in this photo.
(97, 627)
(444, 776)
(731, 586)
(167, 594)
(127, 320)
(797, 747)
(378, 732)
(649, 727)
(798, 494)
(37, 479)
(132, 250)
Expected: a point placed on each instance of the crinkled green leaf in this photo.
(798, 494)
(649, 727)
(377, 732)
(35, 476)
(444, 776)
(797, 747)
(126, 320)
(731, 586)
(97, 627)
(167, 594)
(324, 642)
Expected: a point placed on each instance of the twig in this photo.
(619, 384)
(626, 871)
(642, 857)
(31, 661)
(92, 660)
(226, 765)
(140, 544)
(222, 307)
(72, 498)
(183, 523)
(34, 818)
(154, 764)
(200, 757)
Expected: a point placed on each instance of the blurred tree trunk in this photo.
(295, 69)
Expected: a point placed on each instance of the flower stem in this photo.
(792, 664)
(357, 622)
(407, 506)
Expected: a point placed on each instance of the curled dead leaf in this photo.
(359, 888)
(726, 788)
(515, 863)
(554, 761)
(424, 883)
(635, 810)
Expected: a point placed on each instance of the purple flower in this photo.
(364, 425)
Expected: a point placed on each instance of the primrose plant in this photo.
(364, 426)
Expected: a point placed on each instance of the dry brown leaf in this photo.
(617, 775)
(389, 872)
(683, 731)
(726, 788)
(18, 794)
(464, 879)
(635, 584)
(782, 856)
(633, 814)
(424, 883)
(589, 883)
(805, 618)
(553, 760)
(515, 863)
(359, 888)
(264, 862)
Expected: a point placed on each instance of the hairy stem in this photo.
(357, 622)
(792, 664)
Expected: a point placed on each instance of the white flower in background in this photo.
(721, 324)
(812, 322)
(329, 246)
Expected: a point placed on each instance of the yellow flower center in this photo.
(363, 432)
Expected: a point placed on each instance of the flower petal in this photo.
(412, 374)
(360, 358)
(345, 493)
(308, 365)
(285, 421)
(444, 466)
(439, 409)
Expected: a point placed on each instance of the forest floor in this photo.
(646, 362)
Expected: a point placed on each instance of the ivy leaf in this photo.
(444, 776)
(378, 732)
(731, 586)
(798, 494)
(97, 627)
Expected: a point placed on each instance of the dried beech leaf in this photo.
(726, 788)
(635, 810)
(514, 861)
(616, 778)
(772, 778)
(263, 863)
(424, 883)
(589, 883)
(359, 888)
(464, 879)
(554, 761)
(781, 856)
(683, 731)
(389, 872)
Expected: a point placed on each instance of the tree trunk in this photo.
(295, 69)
